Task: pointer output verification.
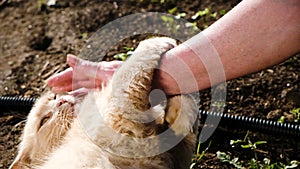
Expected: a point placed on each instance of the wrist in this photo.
(178, 72)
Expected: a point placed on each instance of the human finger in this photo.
(106, 71)
(60, 78)
(62, 88)
(72, 60)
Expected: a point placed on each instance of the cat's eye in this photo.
(52, 97)
(44, 120)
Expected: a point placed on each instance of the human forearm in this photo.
(252, 36)
(256, 34)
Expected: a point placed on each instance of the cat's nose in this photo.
(61, 102)
(65, 100)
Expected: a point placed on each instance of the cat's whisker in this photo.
(60, 131)
(20, 123)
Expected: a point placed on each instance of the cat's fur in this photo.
(47, 124)
(115, 128)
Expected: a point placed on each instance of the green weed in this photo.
(254, 162)
(180, 15)
(199, 155)
(201, 13)
(222, 12)
(246, 143)
(173, 10)
(171, 24)
(40, 3)
(207, 14)
(296, 112)
(124, 56)
(281, 119)
(83, 35)
(226, 158)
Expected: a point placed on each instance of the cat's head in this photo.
(47, 123)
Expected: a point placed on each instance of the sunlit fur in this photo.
(116, 128)
(39, 139)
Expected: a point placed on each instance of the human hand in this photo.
(82, 74)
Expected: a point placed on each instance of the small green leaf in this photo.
(296, 112)
(222, 12)
(214, 15)
(260, 142)
(246, 146)
(293, 164)
(192, 165)
(167, 18)
(233, 142)
(83, 35)
(121, 56)
(204, 12)
(128, 48)
(180, 15)
(173, 10)
(281, 119)
(267, 161)
(200, 13)
(223, 156)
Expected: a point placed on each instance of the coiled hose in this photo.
(16, 103)
(261, 125)
(255, 124)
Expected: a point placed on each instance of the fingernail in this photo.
(49, 81)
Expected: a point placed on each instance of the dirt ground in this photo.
(35, 38)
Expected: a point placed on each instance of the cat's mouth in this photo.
(66, 110)
(65, 105)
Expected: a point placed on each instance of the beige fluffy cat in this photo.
(115, 128)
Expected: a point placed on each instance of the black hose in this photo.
(16, 103)
(255, 124)
(261, 125)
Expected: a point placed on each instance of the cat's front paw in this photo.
(181, 114)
